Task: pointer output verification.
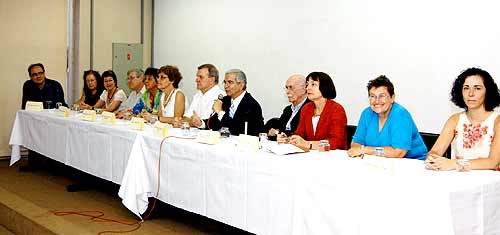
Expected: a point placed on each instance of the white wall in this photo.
(420, 45)
(32, 31)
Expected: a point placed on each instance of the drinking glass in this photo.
(154, 119)
(48, 104)
(75, 107)
(324, 146)
(463, 165)
(224, 132)
(58, 104)
(185, 128)
(262, 139)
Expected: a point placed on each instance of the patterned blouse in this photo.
(473, 140)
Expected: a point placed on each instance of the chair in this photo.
(272, 123)
(351, 129)
(430, 139)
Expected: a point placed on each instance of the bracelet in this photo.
(310, 145)
(362, 149)
(379, 151)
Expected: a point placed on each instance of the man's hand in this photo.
(195, 120)
(217, 107)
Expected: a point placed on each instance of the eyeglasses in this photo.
(382, 96)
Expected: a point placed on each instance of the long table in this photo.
(310, 193)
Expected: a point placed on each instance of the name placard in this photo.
(34, 106)
(161, 129)
(108, 118)
(248, 143)
(63, 112)
(137, 123)
(208, 137)
(89, 115)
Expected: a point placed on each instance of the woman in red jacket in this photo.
(321, 119)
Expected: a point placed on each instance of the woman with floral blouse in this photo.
(475, 133)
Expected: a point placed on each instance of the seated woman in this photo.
(173, 103)
(474, 133)
(386, 128)
(93, 86)
(147, 104)
(321, 119)
(112, 97)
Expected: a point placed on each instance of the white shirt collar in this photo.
(238, 99)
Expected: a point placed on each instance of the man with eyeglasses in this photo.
(295, 88)
(238, 110)
(39, 88)
(135, 80)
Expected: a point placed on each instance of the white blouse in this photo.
(167, 110)
(119, 95)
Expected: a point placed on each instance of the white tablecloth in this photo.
(311, 193)
(92, 147)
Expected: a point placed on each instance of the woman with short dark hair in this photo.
(386, 128)
(473, 133)
(112, 97)
(173, 103)
(321, 119)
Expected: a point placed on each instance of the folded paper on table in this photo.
(161, 129)
(34, 106)
(108, 118)
(208, 137)
(248, 143)
(283, 149)
(89, 115)
(137, 123)
(63, 111)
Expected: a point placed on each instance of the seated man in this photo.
(39, 88)
(237, 108)
(135, 80)
(296, 92)
(207, 79)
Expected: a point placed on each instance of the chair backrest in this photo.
(351, 129)
(430, 139)
(272, 123)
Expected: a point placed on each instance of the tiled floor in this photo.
(46, 191)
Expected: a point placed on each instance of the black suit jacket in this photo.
(285, 116)
(248, 110)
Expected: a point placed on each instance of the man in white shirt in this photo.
(135, 80)
(207, 80)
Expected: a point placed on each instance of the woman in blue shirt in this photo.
(386, 128)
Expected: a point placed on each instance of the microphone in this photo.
(219, 97)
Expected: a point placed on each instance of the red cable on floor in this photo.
(100, 214)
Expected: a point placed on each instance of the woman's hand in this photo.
(298, 141)
(147, 116)
(356, 151)
(439, 163)
(282, 138)
(83, 105)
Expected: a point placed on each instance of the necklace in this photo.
(167, 99)
(111, 97)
